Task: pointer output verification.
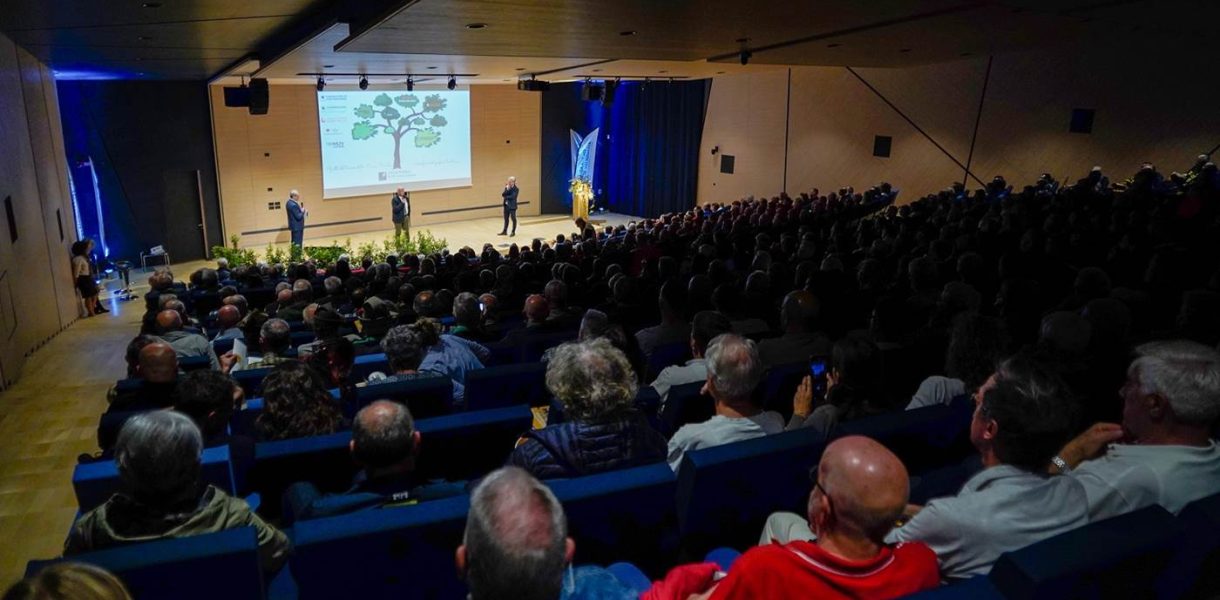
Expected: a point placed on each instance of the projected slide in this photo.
(375, 141)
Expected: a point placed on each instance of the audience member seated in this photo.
(210, 398)
(274, 342)
(227, 318)
(859, 491)
(297, 404)
(1023, 416)
(132, 357)
(449, 355)
(69, 581)
(159, 456)
(727, 300)
(853, 388)
(604, 430)
(384, 444)
(673, 328)
(516, 546)
(283, 298)
(404, 350)
(325, 323)
(158, 372)
(302, 296)
(1162, 453)
(976, 345)
(706, 326)
(733, 371)
(557, 297)
(468, 319)
(801, 339)
(185, 345)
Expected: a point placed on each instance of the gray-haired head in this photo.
(333, 285)
(222, 263)
(733, 368)
(593, 380)
(302, 290)
(383, 435)
(516, 538)
(1185, 373)
(276, 335)
(158, 455)
(404, 348)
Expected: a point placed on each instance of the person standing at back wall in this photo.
(400, 212)
(296, 218)
(510, 205)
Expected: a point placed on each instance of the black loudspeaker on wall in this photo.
(260, 97)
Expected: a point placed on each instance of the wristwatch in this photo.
(1060, 464)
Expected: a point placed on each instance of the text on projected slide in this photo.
(376, 141)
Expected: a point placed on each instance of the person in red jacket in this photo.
(860, 490)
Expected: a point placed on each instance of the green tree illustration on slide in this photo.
(422, 119)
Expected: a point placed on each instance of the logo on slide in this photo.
(423, 119)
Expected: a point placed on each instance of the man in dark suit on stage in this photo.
(296, 218)
(400, 207)
(510, 205)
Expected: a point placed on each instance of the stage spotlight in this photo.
(452, 83)
(364, 82)
(608, 94)
(410, 84)
(321, 84)
(745, 57)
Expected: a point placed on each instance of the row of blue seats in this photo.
(720, 496)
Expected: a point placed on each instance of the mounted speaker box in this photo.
(533, 85)
(260, 97)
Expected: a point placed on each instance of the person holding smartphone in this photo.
(842, 389)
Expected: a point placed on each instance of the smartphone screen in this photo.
(817, 371)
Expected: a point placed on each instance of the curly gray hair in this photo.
(592, 380)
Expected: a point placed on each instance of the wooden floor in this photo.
(49, 417)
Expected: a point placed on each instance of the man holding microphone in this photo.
(400, 208)
(296, 218)
(510, 205)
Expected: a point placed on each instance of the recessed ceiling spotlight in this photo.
(626, 33)
(144, 38)
(597, 70)
(662, 71)
(476, 26)
(520, 68)
(410, 83)
(720, 72)
(151, 5)
(433, 67)
(328, 66)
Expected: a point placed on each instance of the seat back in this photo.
(925, 438)
(109, 425)
(1194, 571)
(780, 384)
(725, 493)
(623, 515)
(532, 350)
(426, 396)
(194, 363)
(222, 346)
(502, 354)
(324, 460)
(402, 552)
(202, 567)
(666, 355)
(508, 385)
(251, 380)
(1118, 557)
(368, 363)
(471, 444)
(685, 404)
(95, 482)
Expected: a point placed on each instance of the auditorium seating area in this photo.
(1139, 264)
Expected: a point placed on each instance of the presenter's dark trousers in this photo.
(298, 237)
(510, 213)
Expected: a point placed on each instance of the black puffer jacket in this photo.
(578, 448)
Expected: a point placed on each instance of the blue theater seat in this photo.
(503, 354)
(622, 515)
(780, 384)
(532, 350)
(202, 567)
(1194, 571)
(251, 380)
(96, 482)
(194, 363)
(685, 405)
(975, 588)
(666, 355)
(1118, 557)
(368, 363)
(301, 337)
(925, 438)
(725, 493)
(222, 346)
(426, 397)
(402, 552)
(507, 385)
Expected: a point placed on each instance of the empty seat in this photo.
(1118, 557)
(201, 567)
(725, 493)
(623, 515)
(1194, 571)
(402, 552)
(685, 404)
(96, 482)
(426, 396)
(507, 385)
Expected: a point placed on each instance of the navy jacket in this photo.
(400, 207)
(576, 448)
(296, 216)
(510, 198)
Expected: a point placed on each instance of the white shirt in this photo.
(1129, 477)
(1000, 509)
(935, 390)
(720, 430)
(694, 370)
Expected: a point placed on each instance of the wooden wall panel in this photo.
(280, 151)
(745, 118)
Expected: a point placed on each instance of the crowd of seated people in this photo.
(1029, 302)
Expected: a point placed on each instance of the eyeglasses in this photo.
(813, 476)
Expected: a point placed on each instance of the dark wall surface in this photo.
(146, 141)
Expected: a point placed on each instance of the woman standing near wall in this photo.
(84, 277)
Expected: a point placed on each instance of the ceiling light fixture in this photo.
(626, 33)
(410, 83)
(834, 45)
(904, 50)
(151, 5)
(321, 83)
(364, 82)
(432, 67)
(745, 57)
(452, 83)
(476, 26)
(328, 66)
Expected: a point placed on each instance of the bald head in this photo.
(537, 309)
(868, 489)
(284, 296)
(302, 290)
(799, 311)
(158, 362)
(169, 320)
(228, 316)
(383, 435)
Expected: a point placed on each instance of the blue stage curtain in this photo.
(653, 147)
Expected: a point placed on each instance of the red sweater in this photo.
(804, 570)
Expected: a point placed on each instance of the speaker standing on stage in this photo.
(296, 218)
(510, 205)
(400, 207)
